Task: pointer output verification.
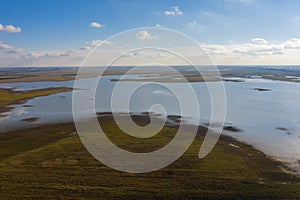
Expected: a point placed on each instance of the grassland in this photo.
(12, 75)
(50, 162)
(34, 74)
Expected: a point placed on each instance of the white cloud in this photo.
(34, 56)
(293, 43)
(66, 53)
(259, 41)
(174, 11)
(85, 48)
(257, 51)
(261, 53)
(31, 55)
(15, 51)
(99, 42)
(259, 48)
(215, 49)
(10, 29)
(5, 46)
(96, 25)
(148, 55)
(145, 35)
(12, 56)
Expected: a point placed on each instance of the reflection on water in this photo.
(269, 118)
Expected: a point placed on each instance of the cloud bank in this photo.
(257, 52)
(10, 29)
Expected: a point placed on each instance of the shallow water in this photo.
(270, 120)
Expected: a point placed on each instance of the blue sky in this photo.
(65, 24)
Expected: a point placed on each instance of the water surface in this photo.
(269, 120)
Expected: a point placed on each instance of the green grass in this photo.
(50, 163)
(37, 74)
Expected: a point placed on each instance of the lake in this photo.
(266, 111)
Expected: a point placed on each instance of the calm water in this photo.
(270, 120)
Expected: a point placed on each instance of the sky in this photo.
(232, 32)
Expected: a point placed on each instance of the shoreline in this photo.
(10, 97)
(291, 168)
(226, 72)
(173, 122)
(52, 162)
